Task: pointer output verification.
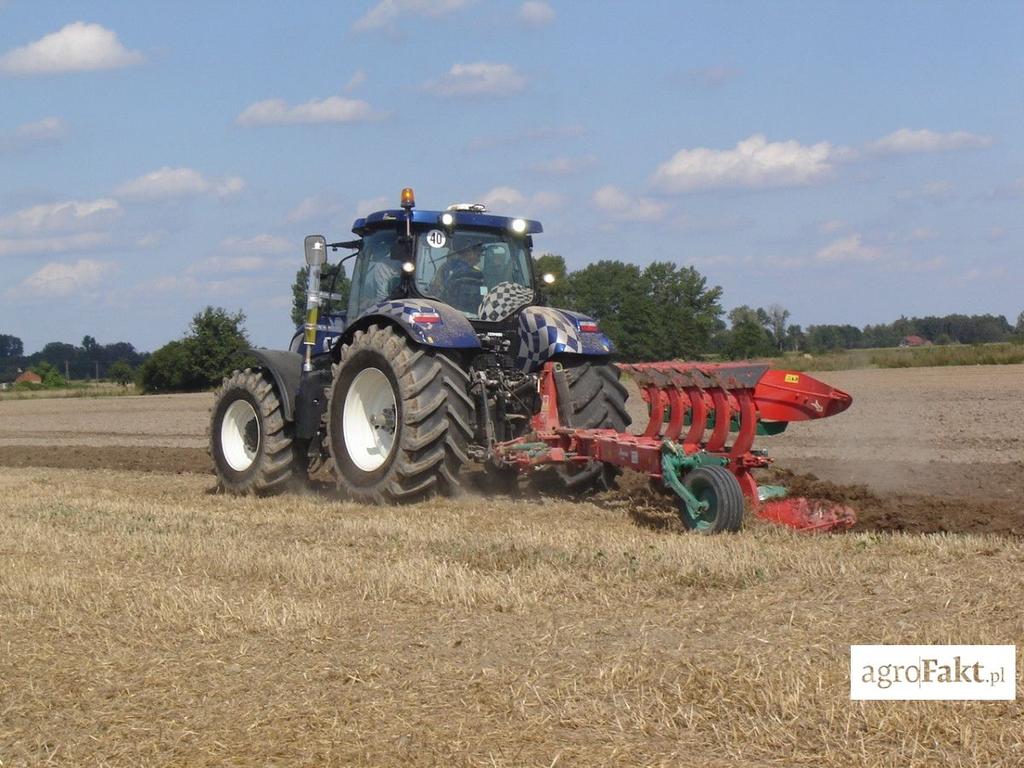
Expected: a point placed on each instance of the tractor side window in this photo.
(376, 273)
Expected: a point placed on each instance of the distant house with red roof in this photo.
(914, 341)
(29, 377)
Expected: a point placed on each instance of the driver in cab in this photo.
(459, 279)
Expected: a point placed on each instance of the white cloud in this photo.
(832, 226)
(479, 78)
(56, 279)
(333, 109)
(386, 12)
(564, 166)
(188, 285)
(509, 201)
(357, 79)
(908, 141)
(364, 207)
(754, 163)
(249, 254)
(712, 77)
(536, 13)
(232, 264)
(77, 47)
(847, 250)
(314, 207)
(170, 183)
(933, 192)
(261, 244)
(82, 241)
(49, 130)
(1011, 191)
(618, 204)
(151, 239)
(67, 216)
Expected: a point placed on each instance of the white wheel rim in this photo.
(369, 419)
(240, 435)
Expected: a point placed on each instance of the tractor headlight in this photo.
(518, 226)
(548, 278)
(316, 250)
(447, 220)
(408, 267)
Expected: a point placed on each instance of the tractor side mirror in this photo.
(316, 250)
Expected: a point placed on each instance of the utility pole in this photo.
(97, 371)
(67, 376)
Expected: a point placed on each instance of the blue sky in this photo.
(850, 161)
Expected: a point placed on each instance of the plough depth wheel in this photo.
(718, 488)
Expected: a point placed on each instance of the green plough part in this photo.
(675, 463)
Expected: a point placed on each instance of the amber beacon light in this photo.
(408, 198)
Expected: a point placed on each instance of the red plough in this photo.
(698, 440)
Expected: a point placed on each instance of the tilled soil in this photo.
(921, 450)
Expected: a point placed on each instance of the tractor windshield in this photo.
(483, 273)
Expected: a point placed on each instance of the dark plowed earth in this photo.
(129, 458)
(913, 513)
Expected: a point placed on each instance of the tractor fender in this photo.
(426, 322)
(286, 369)
(545, 332)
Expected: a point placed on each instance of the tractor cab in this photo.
(476, 263)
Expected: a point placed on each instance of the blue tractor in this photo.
(434, 361)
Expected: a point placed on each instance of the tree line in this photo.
(81, 361)
(661, 311)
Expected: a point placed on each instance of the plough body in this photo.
(702, 424)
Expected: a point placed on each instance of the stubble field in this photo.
(145, 620)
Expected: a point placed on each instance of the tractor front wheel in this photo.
(720, 490)
(399, 419)
(251, 444)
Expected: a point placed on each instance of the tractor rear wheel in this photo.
(399, 419)
(721, 490)
(597, 400)
(251, 444)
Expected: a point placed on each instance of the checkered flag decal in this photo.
(502, 300)
(544, 333)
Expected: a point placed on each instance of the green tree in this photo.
(662, 312)
(332, 280)
(168, 370)
(51, 376)
(216, 341)
(10, 346)
(795, 337)
(121, 373)
(555, 293)
(748, 337)
(214, 346)
(777, 315)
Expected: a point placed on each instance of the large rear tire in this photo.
(250, 442)
(399, 419)
(597, 400)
